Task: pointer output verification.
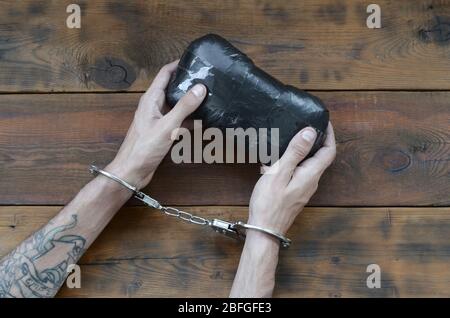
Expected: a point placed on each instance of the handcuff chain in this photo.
(185, 216)
(234, 230)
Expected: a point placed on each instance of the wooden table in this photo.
(68, 96)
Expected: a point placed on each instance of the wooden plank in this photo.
(143, 253)
(393, 150)
(312, 44)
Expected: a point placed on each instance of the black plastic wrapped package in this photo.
(242, 95)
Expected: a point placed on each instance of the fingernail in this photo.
(309, 135)
(198, 90)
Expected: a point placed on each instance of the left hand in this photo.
(149, 137)
(279, 197)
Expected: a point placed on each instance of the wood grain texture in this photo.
(312, 44)
(144, 254)
(393, 147)
(393, 150)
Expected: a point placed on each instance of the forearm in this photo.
(255, 276)
(37, 267)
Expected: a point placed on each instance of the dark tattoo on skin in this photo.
(23, 275)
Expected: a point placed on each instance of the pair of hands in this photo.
(277, 198)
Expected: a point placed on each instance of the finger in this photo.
(162, 78)
(155, 95)
(330, 140)
(273, 169)
(297, 150)
(186, 105)
(323, 158)
(155, 100)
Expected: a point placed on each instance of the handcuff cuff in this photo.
(234, 230)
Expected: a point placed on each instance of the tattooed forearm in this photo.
(37, 267)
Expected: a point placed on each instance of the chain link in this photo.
(185, 216)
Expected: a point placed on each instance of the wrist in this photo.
(261, 242)
(256, 273)
(129, 172)
(103, 186)
(266, 223)
(261, 252)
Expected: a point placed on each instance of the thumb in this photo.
(298, 149)
(187, 104)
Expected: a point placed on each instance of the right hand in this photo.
(279, 196)
(149, 137)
